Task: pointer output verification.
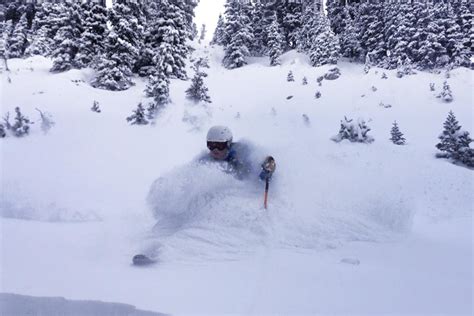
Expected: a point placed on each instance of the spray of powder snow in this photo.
(202, 212)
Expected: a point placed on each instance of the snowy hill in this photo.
(351, 228)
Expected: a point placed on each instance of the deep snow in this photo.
(351, 228)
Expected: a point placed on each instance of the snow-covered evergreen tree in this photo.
(290, 77)
(158, 86)
(454, 142)
(275, 43)
(325, 48)
(138, 116)
(304, 81)
(239, 33)
(291, 23)
(169, 34)
(198, 92)
(92, 41)
(260, 30)
(95, 107)
(218, 37)
(21, 125)
(397, 136)
(114, 69)
(369, 27)
(66, 40)
(203, 33)
(7, 30)
(353, 131)
(2, 131)
(446, 95)
(348, 38)
(18, 41)
(310, 28)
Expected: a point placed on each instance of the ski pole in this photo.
(267, 182)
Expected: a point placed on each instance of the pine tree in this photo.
(7, 30)
(92, 42)
(310, 28)
(291, 23)
(239, 34)
(18, 41)
(446, 95)
(397, 136)
(454, 143)
(114, 69)
(198, 92)
(203, 33)
(169, 33)
(138, 116)
(158, 86)
(275, 42)
(21, 125)
(260, 30)
(290, 77)
(325, 47)
(218, 37)
(369, 26)
(350, 46)
(95, 107)
(67, 39)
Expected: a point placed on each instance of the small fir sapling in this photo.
(374, 88)
(320, 80)
(290, 77)
(353, 131)
(21, 126)
(2, 131)
(397, 136)
(46, 121)
(454, 142)
(446, 95)
(384, 76)
(138, 116)
(95, 107)
(305, 81)
(317, 95)
(432, 86)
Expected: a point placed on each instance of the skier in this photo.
(233, 157)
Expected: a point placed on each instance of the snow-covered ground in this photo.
(351, 228)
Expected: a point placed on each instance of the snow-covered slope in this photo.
(351, 228)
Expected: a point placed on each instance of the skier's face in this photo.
(219, 154)
(218, 150)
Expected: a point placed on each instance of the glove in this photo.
(268, 167)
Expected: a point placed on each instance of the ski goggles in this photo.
(217, 145)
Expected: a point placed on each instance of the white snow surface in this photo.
(350, 229)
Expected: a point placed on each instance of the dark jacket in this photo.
(238, 162)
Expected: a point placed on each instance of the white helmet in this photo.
(220, 134)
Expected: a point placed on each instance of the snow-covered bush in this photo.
(317, 95)
(290, 77)
(384, 76)
(397, 136)
(21, 125)
(353, 131)
(332, 74)
(2, 131)
(374, 88)
(138, 116)
(305, 81)
(95, 107)
(446, 95)
(432, 86)
(320, 80)
(454, 142)
(46, 121)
